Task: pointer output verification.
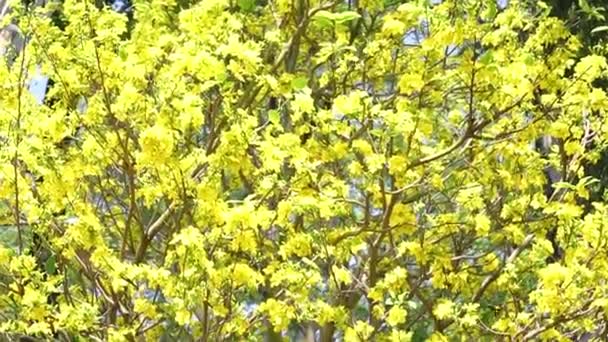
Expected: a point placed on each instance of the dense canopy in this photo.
(307, 170)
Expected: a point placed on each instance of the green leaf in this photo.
(246, 5)
(529, 60)
(50, 266)
(599, 29)
(344, 17)
(328, 19)
(122, 53)
(563, 185)
(299, 83)
(486, 58)
(324, 18)
(491, 10)
(274, 116)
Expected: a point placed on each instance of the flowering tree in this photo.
(309, 170)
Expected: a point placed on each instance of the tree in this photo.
(587, 20)
(252, 170)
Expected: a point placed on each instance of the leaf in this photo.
(588, 180)
(491, 10)
(324, 18)
(299, 83)
(584, 5)
(344, 17)
(246, 5)
(599, 29)
(274, 116)
(50, 266)
(563, 185)
(486, 58)
(327, 19)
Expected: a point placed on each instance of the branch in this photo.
(17, 142)
(155, 227)
(492, 277)
(299, 31)
(464, 139)
(563, 319)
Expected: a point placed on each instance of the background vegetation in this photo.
(362, 170)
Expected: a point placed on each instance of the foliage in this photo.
(263, 170)
(586, 18)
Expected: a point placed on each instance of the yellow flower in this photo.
(396, 316)
(444, 309)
